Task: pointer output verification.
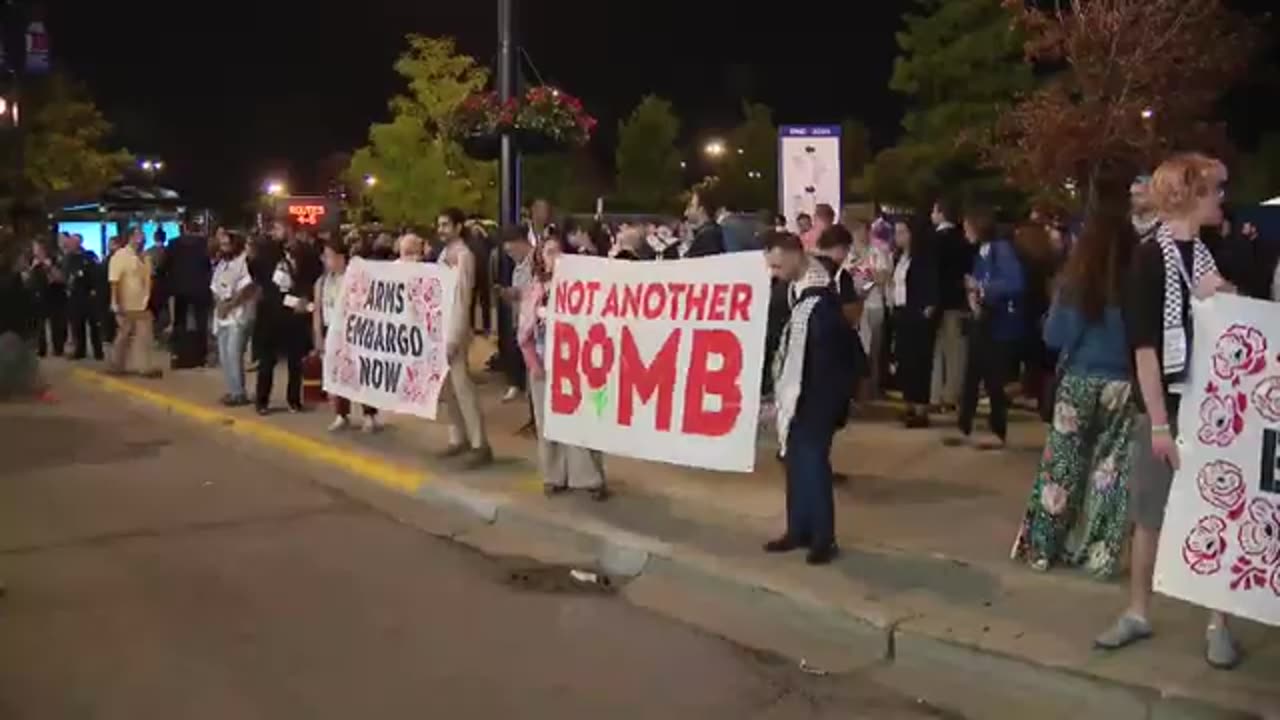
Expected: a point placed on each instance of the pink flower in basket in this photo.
(1240, 351)
(1205, 546)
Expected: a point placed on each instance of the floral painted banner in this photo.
(658, 360)
(385, 345)
(1220, 546)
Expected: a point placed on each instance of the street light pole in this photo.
(509, 167)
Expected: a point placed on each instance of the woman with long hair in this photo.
(1077, 514)
(913, 299)
(564, 467)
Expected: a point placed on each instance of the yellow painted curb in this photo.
(380, 471)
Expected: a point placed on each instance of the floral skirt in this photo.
(1078, 511)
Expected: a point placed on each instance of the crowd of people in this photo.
(1077, 317)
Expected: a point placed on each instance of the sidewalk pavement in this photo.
(924, 579)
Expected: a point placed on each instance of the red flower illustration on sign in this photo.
(343, 369)
(1241, 351)
(424, 296)
(1260, 534)
(1222, 485)
(1248, 576)
(1205, 545)
(1223, 418)
(414, 388)
(1266, 398)
(1275, 581)
(597, 373)
(357, 285)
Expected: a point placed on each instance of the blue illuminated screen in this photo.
(97, 233)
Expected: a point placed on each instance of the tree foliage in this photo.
(855, 152)
(569, 180)
(419, 170)
(748, 172)
(65, 145)
(649, 174)
(961, 63)
(1259, 177)
(1137, 79)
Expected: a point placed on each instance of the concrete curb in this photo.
(629, 555)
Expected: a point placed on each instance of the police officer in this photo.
(83, 273)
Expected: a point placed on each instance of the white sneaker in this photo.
(371, 424)
(339, 423)
(511, 394)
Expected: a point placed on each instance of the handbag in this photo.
(1049, 393)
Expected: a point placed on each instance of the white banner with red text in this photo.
(658, 360)
(385, 346)
(1220, 544)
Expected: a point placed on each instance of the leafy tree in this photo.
(649, 174)
(568, 180)
(1259, 179)
(1137, 80)
(749, 171)
(961, 63)
(65, 138)
(855, 151)
(419, 169)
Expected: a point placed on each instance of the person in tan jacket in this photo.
(466, 424)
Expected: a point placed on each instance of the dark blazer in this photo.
(923, 289)
(707, 240)
(186, 270)
(954, 260)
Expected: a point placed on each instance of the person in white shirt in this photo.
(233, 296)
(466, 423)
(328, 298)
(871, 265)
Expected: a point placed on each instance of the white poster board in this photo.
(809, 171)
(658, 361)
(1220, 544)
(385, 345)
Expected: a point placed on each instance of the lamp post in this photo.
(509, 162)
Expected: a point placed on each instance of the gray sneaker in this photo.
(1126, 631)
(1220, 650)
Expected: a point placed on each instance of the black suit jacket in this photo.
(922, 283)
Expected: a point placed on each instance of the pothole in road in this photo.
(558, 579)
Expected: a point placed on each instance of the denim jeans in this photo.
(810, 496)
(231, 343)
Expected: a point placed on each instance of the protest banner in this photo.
(385, 346)
(1220, 544)
(658, 360)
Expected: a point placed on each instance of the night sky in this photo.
(230, 92)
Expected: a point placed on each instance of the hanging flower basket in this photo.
(544, 120)
(481, 147)
(548, 120)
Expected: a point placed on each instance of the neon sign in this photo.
(307, 214)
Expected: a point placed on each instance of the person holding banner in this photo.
(328, 294)
(1187, 191)
(466, 423)
(564, 467)
(815, 370)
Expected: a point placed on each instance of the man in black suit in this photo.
(185, 275)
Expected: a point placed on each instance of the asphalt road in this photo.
(157, 570)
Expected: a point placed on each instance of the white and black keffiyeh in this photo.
(1176, 283)
(788, 362)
